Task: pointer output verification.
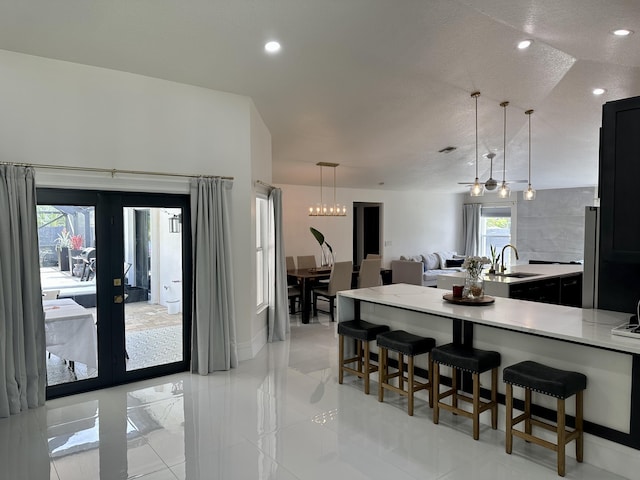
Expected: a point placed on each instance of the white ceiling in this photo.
(378, 86)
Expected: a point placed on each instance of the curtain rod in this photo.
(265, 184)
(112, 171)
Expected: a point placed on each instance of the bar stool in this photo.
(468, 359)
(404, 343)
(363, 332)
(562, 384)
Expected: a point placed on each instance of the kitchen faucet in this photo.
(502, 267)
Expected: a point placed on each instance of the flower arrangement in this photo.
(474, 265)
(76, 242)
(320, 238)
(63, 240)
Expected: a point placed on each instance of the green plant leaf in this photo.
(319, 236)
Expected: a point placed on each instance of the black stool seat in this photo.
(548, 380)
(361, 330)
(466, 358)
(405, 342)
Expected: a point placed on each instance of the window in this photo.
(261, 251)
(495, 229)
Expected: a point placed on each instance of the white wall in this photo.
(414, 222)
(63, 113)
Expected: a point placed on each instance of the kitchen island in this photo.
(563, 337)
(549, 283)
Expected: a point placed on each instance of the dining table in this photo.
(307, 278)
(70, 332)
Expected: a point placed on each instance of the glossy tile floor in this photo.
(279, 416)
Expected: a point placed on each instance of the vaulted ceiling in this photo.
(378, 86)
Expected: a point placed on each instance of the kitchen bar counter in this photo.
(557, 284)
(563, 337)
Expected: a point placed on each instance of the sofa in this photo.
(431, 265)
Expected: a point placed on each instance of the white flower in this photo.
(475, 264)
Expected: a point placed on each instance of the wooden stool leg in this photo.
(340, 358)
(494, 398)
(579, 426)
(527, 411)
(359, 354)
(400, 371)
(454, 387)
(561, 437)
(476, 406)
(430, 390)
(436, 392)
(366, 368)
(410, 381)
(509, 426)
(382, 372)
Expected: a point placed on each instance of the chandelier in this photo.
(322, 209)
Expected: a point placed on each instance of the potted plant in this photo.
(495, 258)
(323, 244)
(63, 244)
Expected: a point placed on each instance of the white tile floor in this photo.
(279, 416)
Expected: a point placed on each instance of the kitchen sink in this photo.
(517, 275)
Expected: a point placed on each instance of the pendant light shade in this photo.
(477, 189)
(331, 210)
(504, 191)
(529, 193)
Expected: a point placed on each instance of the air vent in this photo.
(447, 150)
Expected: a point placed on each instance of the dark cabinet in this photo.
(618, 282)
(559, 290)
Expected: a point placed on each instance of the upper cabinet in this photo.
(619, 279)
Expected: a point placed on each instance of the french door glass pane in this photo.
(152, 286)
(66, 244)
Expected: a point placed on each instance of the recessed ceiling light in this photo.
(272, 47)
(622, 32)
(598, 91)
(524, 44)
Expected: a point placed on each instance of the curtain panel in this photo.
(278, 288)
(214, 324)
(22, 330)
(471, 228)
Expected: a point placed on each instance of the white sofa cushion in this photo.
(431, 261)
(443, 256)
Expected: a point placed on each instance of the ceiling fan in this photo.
(491, 183)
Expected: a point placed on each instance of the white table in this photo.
(71, 331)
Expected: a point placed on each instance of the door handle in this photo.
(118, 299)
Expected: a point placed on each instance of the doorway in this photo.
(367, 230)
(115, 270)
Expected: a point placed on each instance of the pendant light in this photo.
(322, 209)
(477, 189)
(504, 191)
(529, 193)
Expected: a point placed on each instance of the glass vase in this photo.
(474, 287)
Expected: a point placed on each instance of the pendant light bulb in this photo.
(529, 193)
(477, 189)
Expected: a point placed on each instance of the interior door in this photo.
(116, 309)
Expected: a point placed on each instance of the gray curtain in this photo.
(278, 291)
(471, 228)
(213, 342)
(23, 375)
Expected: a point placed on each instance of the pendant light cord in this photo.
(504, 142)
(529, 112)
(476, 95)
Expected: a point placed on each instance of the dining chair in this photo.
(306, 261)
(369, 275)
(404, 271)
(291, 264)
(339, 280)
(373, 255)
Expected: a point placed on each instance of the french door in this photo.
(115, 271)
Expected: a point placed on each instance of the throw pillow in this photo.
(443, 256)
(451, 262)
(431, 261)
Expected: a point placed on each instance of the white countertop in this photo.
(583, 326)
(542, 272)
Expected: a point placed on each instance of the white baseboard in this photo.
(248, 350)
